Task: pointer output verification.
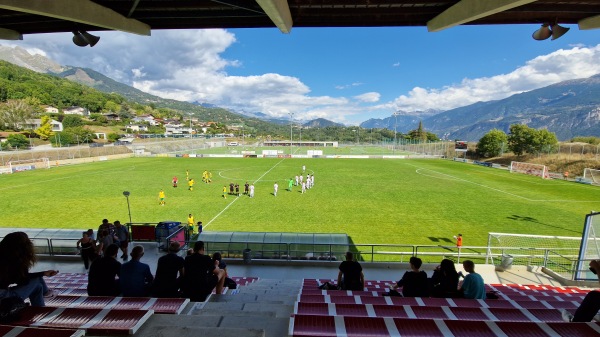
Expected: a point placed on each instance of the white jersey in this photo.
(275, 188)
(303, 187)
(251, 191)
(296, 181)
(301, 179)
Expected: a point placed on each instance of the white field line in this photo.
(237, 198)
(67, 177)
(495, 189)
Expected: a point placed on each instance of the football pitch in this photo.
(387, 201)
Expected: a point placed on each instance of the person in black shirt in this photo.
(350, 276)
(166, 283)
(201, 275)
(101, 280)
(413, 283)
(444, 281)
(18, 256)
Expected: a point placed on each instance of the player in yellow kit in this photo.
(190, 221)
(191, 184)
(161, 198)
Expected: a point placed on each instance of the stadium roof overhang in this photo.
(22, 17)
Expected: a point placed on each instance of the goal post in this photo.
(28, 164)
(590, 247)
(591, 175)
(529, 168)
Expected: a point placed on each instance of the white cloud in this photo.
(368, 97)
(189, 65)
(346, 86)
(542, 71)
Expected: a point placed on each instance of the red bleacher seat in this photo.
(311, 325)
(95, 321)
(158, 305)
(12, 331)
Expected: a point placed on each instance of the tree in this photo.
(521, 139)
(14, 113)
(492, 143)
(545, 141)
(18, 141)
(113, 137)
(71, 121)
(45, 129)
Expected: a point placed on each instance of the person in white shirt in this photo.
(275, 188)
(252, 191)
(303, 187)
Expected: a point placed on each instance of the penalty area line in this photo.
(237, 198)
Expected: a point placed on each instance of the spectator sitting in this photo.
(136, 278)
(413, 283)
(101, 279)
(201, 275)
(444, 280)
(473, 286)
(350, 276)
(588, 309)
(18, 256)
(167, 282)
(229, 282)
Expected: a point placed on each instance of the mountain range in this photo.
(569, 108)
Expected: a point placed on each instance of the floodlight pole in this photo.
(395, 125)
(126, 194)
(291, 134)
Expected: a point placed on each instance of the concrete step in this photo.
(252, 298)
(244, 309)
(273, 326)
(187, 331)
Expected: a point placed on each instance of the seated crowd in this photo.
(197, 275)
(415, 283)
(194, 277)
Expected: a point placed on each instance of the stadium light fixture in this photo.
(82, 38)
(126, 194)
(549, 30)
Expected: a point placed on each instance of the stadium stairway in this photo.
(261, 308)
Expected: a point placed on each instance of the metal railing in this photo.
(562, 261)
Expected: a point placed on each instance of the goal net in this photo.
(528, 168)
(28, 164)
(554, 252)
(592, 175)
(590, 247)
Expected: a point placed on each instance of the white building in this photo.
(32, 124)
(76, 110)
(50, 109)
(177, 129)
(137, 127)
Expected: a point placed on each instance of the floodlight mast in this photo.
(291, 134)
(395, 125)
(126, 194)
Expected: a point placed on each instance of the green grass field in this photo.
(372, 200)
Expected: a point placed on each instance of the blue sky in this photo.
(347, 75)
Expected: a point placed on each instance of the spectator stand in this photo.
(360, 313)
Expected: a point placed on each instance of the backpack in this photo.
(10, 309)
(230, 283)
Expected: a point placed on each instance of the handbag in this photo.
(10, 309)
